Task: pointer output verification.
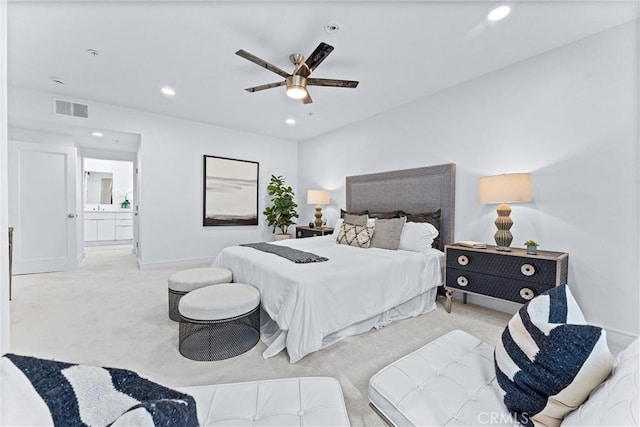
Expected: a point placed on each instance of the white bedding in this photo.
(311, 303)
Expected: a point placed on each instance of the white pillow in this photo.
(337, 227)
(417, 236)
(371, 222)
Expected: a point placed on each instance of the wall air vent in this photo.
(74, 109)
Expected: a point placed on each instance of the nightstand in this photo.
(513, 276)
(302, 232)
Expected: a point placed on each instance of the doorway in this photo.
(108, 199)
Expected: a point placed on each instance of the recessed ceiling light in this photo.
(97, 134)
(168, 91)
(290, 121)
(499, 13)
(332, 27)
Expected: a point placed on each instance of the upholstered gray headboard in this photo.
(415, 191)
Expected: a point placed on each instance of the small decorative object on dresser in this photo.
(513, 276)
(302, 232)
(532, 247)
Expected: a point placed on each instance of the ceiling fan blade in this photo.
(261, 62)
(322, 51)
(307, 99)
(332, 82)
(266, 86)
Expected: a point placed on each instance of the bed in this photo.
(307, 307)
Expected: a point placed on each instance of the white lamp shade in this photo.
(318, 197)
(505, 188)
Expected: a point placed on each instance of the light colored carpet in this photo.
(111, 313)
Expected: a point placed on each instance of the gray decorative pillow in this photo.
(355, 235)
(387, 233)
(360, 220)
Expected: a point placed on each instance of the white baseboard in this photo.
(172, 265)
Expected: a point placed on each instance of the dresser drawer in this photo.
(504, 288)
(527, 269)
(302, 232)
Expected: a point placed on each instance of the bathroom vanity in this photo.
(114, 226)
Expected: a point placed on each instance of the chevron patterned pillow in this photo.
(355, 235)
(549, 359)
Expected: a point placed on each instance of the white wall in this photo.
(171, 157)
(569, 116)
(4, 178)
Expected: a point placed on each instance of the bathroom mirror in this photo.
(98, 187)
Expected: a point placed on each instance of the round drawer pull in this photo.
(463, 260)
(463, 281)
(528, 269)
(299, 233)
(526, 294)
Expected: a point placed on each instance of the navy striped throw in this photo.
(549, 359)
(83, 395)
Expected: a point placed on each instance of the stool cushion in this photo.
(194, 278)
(450, 381)
(313, 401)
(219, 302)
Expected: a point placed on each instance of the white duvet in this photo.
(309, 302)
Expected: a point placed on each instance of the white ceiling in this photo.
(399, 51)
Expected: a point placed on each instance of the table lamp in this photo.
(318, 198)
(503, 189)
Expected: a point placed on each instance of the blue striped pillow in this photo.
(549, 359)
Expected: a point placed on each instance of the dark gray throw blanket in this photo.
(83, 395)
(295, 255)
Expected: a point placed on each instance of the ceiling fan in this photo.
(298, 81)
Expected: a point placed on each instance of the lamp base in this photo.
(503, 223)
(318, 215)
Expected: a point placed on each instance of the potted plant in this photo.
(281, 214)
(532, 247)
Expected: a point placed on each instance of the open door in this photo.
(42, 207)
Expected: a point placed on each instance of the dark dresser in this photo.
(513, 276)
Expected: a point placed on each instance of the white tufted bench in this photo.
(183, 282)
(312, 401)
(452, 381)
(219, 322)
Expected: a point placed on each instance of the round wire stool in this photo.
(208, 340)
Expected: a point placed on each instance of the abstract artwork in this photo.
(230, 192)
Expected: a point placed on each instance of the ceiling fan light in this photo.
(296, 87)
(296, 92)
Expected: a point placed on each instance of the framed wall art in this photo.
(230, 192)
